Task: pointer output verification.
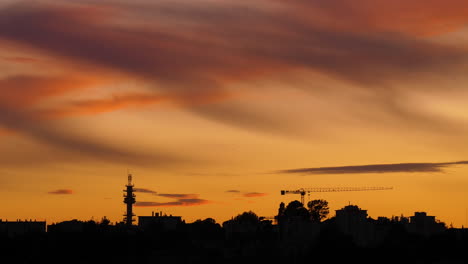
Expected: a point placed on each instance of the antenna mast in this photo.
(129, 200)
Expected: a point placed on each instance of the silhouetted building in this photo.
(129, 200)
(385, 228)
(352, 220)
(400, 219)
(72, 226)
(19, 228)
(426, 225)
(159, 222)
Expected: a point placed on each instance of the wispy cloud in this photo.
(61, 191)
(377, 168)
(254, 194)
(241, 43)
(181, 199)
(26, 91)
(179, 202)
(246, 194)
(124, 101)
(19, 59)
(96, 106)
(167, 195)
(286, 38)
(19, 114)
(109, 45)
(434, 17)
(143, 190)
(178, 195)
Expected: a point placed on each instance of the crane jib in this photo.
(303, 191)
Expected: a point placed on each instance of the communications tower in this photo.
(129, 200)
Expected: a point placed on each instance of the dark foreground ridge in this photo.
(296, 235)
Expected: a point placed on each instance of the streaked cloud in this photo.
(23, 92)
(19, 59)
(181, 199)
(167, 195)
(22, 113)
(61, 191)
(238, 45)
(122, 101)
(178, 202)
(377, 168)
(433, 16)
(178, 195)
(232, 43)
(143, 190)
(247, 194)
(254, 194)
(78, 145)
(241, 43)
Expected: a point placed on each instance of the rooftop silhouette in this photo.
(294, 235)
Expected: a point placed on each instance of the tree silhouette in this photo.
(104, 222)
(205, 229)
(318, 210)
(281, 209)
(247, 217)
(296, 209)
(210, 221)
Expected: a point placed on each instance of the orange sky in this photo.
(214, 106)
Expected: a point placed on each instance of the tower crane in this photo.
(303, 191)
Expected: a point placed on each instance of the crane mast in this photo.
(304, 191)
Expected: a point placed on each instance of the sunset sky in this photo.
(215, 106)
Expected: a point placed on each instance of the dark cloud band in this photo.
(179, 202)
(377, 168)
(61, 191)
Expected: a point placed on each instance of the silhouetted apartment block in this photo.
(159, 222)
(426, 225)
(352, 220)
(299, 229)
(297, 234)
(19, 228)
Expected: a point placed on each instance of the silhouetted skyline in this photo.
(216, 106)
(296, 234)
